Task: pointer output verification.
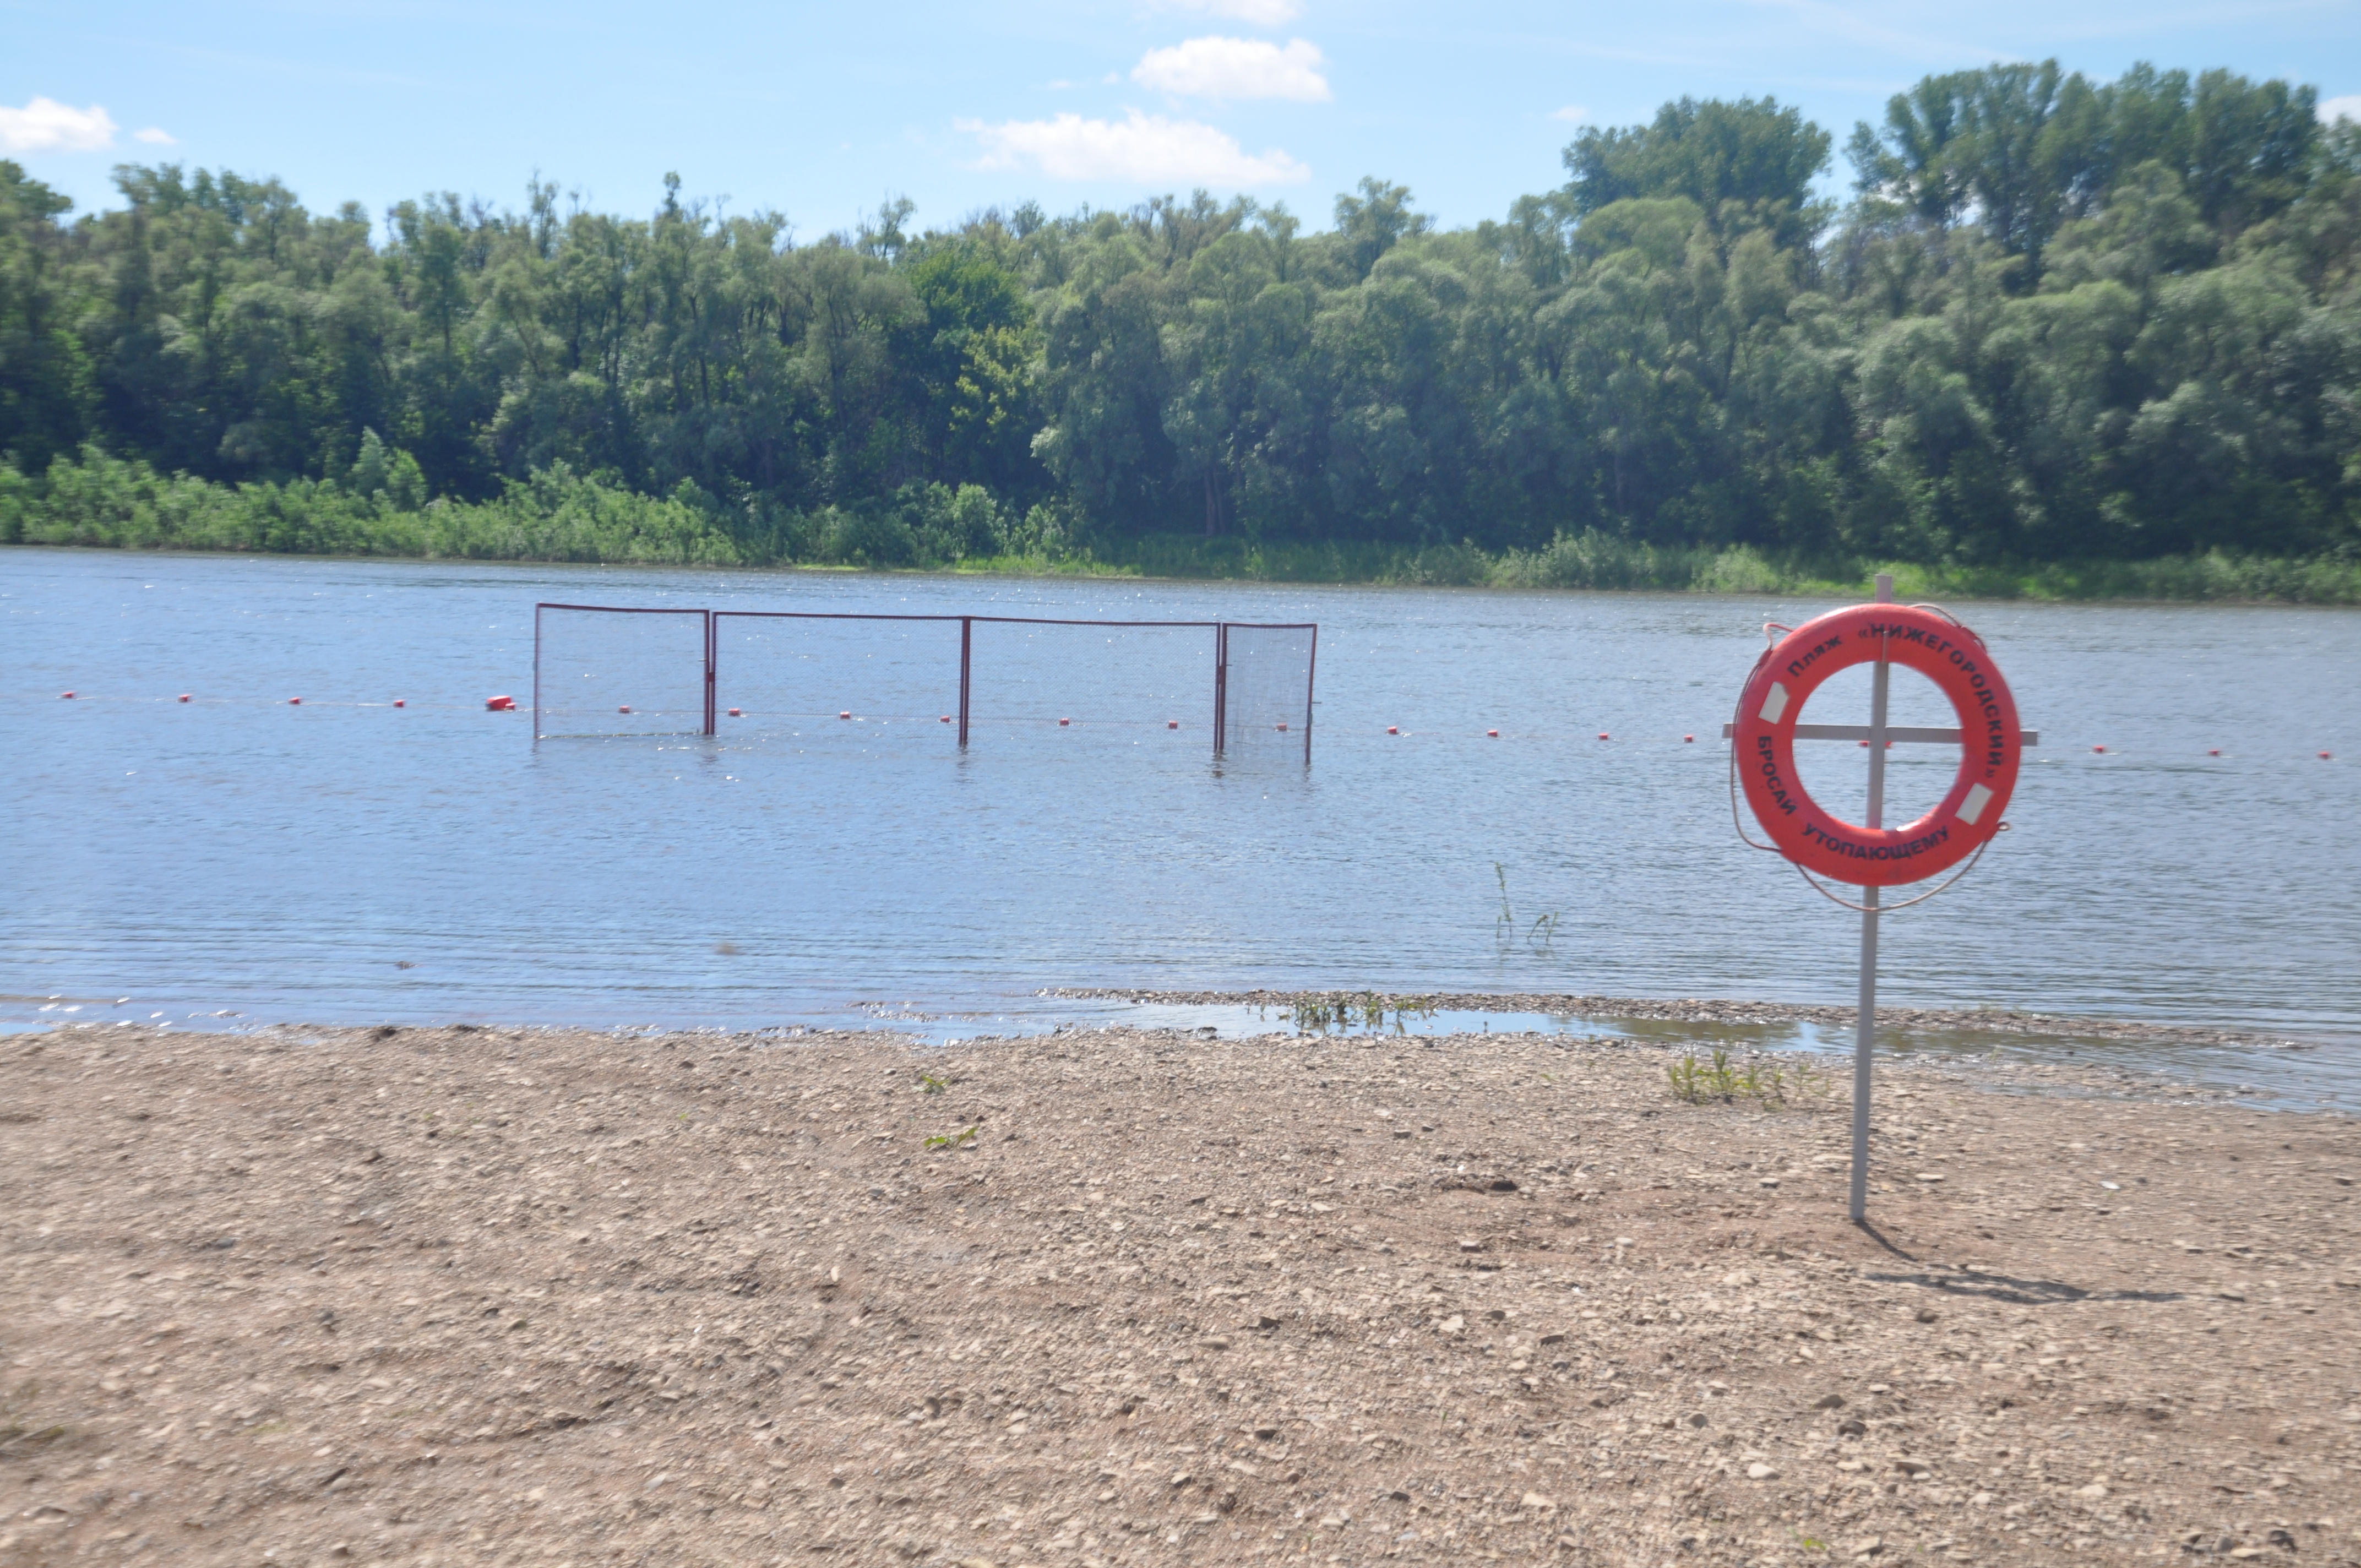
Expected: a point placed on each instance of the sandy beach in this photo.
(434, 1296)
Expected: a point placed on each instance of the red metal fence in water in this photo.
(621, 670)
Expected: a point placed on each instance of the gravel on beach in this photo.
(478, 1295)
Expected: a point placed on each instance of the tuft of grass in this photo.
(1540, 934)
(1718, 1082)
(959, 1139)
(929, 1084)
(1367, 1010)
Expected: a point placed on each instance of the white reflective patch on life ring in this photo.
(1973, 807)
(1775, 704)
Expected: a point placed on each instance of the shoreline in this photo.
(1120, 1296)
(2215, 581)
(1995, 1022)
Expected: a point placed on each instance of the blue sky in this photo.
(822, 112)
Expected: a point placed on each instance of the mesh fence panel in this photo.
(1090, 685)
(829, 678)
(1267, 691)
(797, 676)
(617, 672)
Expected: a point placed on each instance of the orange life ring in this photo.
(1946, 652)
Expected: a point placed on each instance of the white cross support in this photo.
(1877, 732)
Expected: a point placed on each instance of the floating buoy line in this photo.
(503, 703)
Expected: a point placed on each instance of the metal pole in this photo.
(711, 648)
(1221, 683)
(536, 672)
(1311, 669)
(967, 637)
(1865, 1026)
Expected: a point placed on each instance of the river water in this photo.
(237, 858)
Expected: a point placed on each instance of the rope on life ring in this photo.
(1930, 641)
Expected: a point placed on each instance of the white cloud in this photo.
(2348, 107)
(1256, 13)
(1571, 111)
(1235, 68)
(46, 126)
(156, 136)
(1145, 149)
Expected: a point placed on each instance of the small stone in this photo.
(2092, 1493)
(1758, 1470)
(1215, 1342)
(1927, 1314)
(1540, 1503)
(1930, 1175)
(1912, 1466)
(1768, 1181)
(1181, 1478)
(1453, 1324)
(1828, 1402)
(1471, 1244)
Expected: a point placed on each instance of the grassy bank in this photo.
(556, 515)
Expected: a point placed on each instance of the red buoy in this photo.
(1493, 733)
(846, 714)
(626, 708)
(294, 702)
(501, 705)
(2215, 752)
(1282, 729)
(1688, 740)
(397, 702)
(65, 696)
(1172, 724)
(946, 719)
(1063, 722)
(1602, 734)
(735, 714)
(1393, 729)
(185, 696)
(2100, 751)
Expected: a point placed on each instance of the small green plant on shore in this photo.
(1317, 1015)
(1716, 1081)
(954, 1140)
(929, 1084)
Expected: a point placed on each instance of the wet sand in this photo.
(487, 1295)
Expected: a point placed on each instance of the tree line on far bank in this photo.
(2058, 321)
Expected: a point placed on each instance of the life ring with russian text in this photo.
(1938, 648)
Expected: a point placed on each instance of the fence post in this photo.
(967, 637)
(1220, 684)
(710, 625)
(1311, 669)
